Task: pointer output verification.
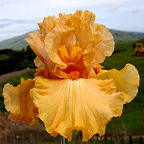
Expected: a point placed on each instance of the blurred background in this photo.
(125, 20)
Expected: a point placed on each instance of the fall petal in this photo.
(127, 80)
(18, 102)
(84, 104)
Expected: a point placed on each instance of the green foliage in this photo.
(16, 60)
(3, 57)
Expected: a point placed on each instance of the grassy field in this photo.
(132, 120)
(135, 141)
(3, 57)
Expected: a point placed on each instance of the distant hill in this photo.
(122, 36)
(17, 43)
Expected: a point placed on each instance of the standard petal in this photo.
(127, 80)
(38, 64)
(48, 24)
(52, 42)
(76, 54)
(82, 22)
(106, 46)
(95, 40)
(69, 41)
(84, 104)
(36, 42)
(63, 54)
(18, 102)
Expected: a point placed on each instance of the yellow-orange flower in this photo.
(70, 90)
(19, 102)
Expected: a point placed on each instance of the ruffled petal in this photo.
(95, 40)
(38, 64)
(76, 54)
(82, 23)
(127, 80)
(69, 41)
(59, 73)
(83, 104)
(44, 69)
(36, 42)
(106, 46)
(48, 24)
(52, 42)
(62, 51)
(19, 103)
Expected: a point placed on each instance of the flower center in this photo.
(71, 66)
(74, 70)
(73, 60)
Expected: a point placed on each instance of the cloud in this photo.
(12, 20)
(18, 17)
(114, 6)
(10, 28)
(13, 27)
(4, 25)
(134, 11)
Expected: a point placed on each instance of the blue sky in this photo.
(20, 16)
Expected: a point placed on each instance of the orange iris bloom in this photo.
(70, 90)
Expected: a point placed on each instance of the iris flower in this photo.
(71, 90)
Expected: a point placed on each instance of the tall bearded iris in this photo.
(70, 90)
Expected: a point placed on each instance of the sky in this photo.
(21, 16)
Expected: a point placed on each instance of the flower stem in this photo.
(62, 140)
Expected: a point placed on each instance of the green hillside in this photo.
(17, 43)
(123, 36)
